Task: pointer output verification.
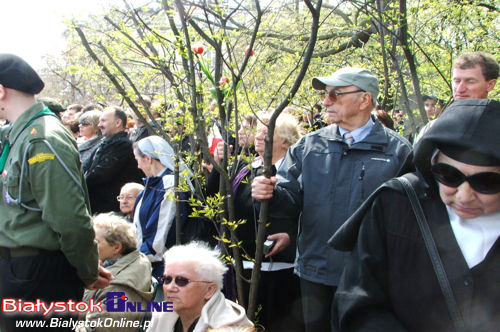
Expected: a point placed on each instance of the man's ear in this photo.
(366, 100)
(119, 123)
(491, 84)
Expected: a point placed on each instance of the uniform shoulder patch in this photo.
(41, 157)
(33, 131)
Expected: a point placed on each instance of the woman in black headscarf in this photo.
(390, 282)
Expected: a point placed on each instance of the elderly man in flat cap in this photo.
(47, 248)
(324, 178)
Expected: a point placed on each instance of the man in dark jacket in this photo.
(389, 283)
(324, 178)
(112, 164)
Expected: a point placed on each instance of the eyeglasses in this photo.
(179, 281)
(122, 198)
(333, 95)
(484, 183)
(84, 123)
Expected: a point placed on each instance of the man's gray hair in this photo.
(206, 261)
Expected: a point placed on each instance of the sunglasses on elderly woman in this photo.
(484, 183)
(179, 281)
(84, 123)
(334, 94)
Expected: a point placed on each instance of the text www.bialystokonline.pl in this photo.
(98, 322)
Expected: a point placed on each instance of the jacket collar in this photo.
(21, 121)
(90, 143)
(375, 140)
(153, 180)
(115, 137)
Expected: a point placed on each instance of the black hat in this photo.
(17, 74)
(52, 104)
(468, 131)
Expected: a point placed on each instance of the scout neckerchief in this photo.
(6, 145)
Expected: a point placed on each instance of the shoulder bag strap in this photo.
(437, 264)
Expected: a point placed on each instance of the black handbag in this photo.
(437, 264)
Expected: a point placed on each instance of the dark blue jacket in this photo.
(324, 181)
(154, 215)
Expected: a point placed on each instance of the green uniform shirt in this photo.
(64, 221)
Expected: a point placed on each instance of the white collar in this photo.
(259, 162)
(475, 236)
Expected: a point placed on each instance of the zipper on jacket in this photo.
(362, 174)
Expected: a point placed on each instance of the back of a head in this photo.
(146, 99)
(384, 118)
(251, 119)
(116, 230)
(287, 127)
(73, 126)
(76, 107)
(89, 107)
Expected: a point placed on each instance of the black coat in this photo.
(389, 283)
(139, 133)
(108, 169)
(245, 210)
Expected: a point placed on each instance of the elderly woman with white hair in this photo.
(116, 244)
(155, 210)
(192, 282)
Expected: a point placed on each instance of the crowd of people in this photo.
(366, 230)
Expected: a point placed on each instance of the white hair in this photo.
(206, 261)
(287, 126)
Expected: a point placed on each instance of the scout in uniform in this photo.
(47, 248)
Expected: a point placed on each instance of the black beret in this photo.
(17, 74)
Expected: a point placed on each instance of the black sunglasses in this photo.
(334, 94)
(84, 123)
(179, 281)
(484, 183)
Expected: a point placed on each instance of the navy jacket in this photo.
(324, 181)
(154, 215)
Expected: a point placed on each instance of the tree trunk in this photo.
(403, 39)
